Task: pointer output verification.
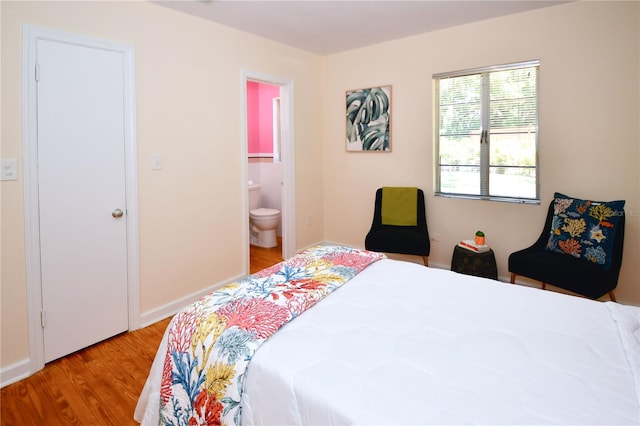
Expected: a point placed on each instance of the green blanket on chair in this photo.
(399, 206)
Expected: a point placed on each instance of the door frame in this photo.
(30, 36)
(287, 158)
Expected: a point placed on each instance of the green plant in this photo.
(479, 234)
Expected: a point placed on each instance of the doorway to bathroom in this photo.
(267, 138)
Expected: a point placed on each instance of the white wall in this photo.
(589, 125)
(188, 86)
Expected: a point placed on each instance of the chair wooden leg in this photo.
(612, 296)
(513, 278)
(425, 259)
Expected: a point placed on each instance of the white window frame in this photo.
(484, 160)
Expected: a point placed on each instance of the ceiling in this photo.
(326, 27)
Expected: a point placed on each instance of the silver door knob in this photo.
(117, 213)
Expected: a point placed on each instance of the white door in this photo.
(81, 182)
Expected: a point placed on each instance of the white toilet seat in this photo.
(264, 212)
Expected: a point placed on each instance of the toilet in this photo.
(262, 221)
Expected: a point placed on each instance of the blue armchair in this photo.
(564, 271)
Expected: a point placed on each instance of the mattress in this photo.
(400, 343)
(405, 344)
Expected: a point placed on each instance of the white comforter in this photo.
(405, 344)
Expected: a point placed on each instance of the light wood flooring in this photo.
(264, 257)
(98, 385)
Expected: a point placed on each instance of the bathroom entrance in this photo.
(269, 164)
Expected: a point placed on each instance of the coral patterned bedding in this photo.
(404, 344)
(210, 343)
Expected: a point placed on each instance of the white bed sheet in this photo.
(405, 344)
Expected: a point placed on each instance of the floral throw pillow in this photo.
(584, 229)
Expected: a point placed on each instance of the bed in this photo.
(370, 340)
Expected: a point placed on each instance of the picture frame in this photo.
(368, 119)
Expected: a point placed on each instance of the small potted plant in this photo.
(480, 238)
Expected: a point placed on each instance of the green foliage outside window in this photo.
(487, 136)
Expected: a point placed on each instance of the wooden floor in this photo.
(98, 385)
(264, 257)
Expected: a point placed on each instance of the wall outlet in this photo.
(434, 237)
(9, 169)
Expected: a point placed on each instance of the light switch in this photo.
(156, 161)
(9, 169)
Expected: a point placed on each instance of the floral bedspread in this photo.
(211, 342)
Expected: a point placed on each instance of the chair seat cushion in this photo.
(394, 239)
(570, 273)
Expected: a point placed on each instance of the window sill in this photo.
(489, 198)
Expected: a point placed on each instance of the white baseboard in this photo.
(15, 372)
(165, 311)
(21, 369)
(162, 312)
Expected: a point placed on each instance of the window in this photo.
(487, 133)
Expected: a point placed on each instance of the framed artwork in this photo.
(369, 120)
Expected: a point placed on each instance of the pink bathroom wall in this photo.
(260, 116)
(253, 115)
